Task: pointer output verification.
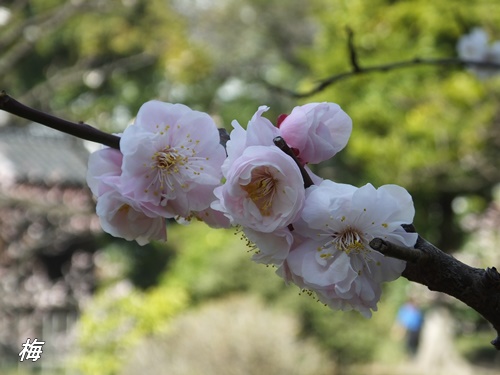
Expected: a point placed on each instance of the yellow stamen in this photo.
(262, 189)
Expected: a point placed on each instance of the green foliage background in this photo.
(432, 129)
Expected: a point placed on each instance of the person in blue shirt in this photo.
(411, 318)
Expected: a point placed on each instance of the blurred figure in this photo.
(410, 317)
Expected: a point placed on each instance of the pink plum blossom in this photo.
(123, 217)
(317, 131)
(120, 215)
(263, 190)
(104, 170)
(336, 261)
(171, 158)
(260, 132)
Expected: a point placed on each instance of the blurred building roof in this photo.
(48, 234)
(36, 154)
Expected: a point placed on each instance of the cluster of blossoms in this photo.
(476, 47)
(317, 234)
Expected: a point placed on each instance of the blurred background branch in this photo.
(358, 69)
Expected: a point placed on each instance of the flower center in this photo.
(261, 189)
(168, 160)
(349, 240)
(165, 163)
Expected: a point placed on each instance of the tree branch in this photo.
(441, 272)
(80, 130)
(357, 69)
(426, 264)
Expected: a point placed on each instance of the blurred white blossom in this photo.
(475, 47)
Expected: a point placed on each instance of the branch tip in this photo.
(492, 278)
(353, 54)
(282, 145)
(396, 251)
(223, 136)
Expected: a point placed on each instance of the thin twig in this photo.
(358, 70)
(353, 54)
(80, 130)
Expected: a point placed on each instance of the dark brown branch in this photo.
(80, 130)
(357, 70)
(441, 272)
(396, 251)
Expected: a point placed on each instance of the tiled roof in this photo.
(39, 155)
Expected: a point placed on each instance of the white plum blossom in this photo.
(213, 218)
(317, 131)
(336, 261)
(271, 248)
(263, 190)
(171, 158)
(475, 47)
